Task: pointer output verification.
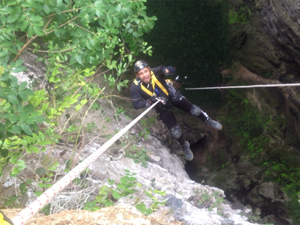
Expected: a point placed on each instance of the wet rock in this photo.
(267, 190)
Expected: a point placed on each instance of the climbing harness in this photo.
(246, 86)
(154, 82)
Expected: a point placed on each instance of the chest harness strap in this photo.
(154, 82)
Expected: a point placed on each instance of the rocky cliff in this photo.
(267, 42)
(264, 41)
(265, 47)
(161, 177)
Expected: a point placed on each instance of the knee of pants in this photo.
(177, 98)
(176, 131)
(195, 110)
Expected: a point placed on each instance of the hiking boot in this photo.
(213, 123)
(187, 151)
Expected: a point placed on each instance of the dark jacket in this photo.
(139, 98)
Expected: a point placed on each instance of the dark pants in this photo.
(168, 117)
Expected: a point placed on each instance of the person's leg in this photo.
(169, 119)
(182, 103)
(196, 111)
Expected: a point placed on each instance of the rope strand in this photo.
(246, 86)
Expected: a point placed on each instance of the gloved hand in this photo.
(153, 99)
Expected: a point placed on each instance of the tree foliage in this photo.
(74, 38)
(86, 33)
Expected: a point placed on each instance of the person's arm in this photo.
(164, 70)
(137, 101)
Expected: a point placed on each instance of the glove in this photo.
(153, 99)
(171, 70)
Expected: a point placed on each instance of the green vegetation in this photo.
(203, 199)
(111, 193)
(139, 155)
(78, 42)
(240, 16)
(246, 123)
(252, 130)
(145, 124)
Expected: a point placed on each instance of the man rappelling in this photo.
(150, 86)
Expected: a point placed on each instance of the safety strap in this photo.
(154, 81)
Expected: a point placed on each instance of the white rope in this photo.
(249, 86)
(45, 198)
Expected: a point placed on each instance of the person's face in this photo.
(144, 75)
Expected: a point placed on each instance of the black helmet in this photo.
(139, 65)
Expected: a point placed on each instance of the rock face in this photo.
(186, 202)
(160, 182)
(121, 214)
(269, 43)
(266, 48)
(221, 161)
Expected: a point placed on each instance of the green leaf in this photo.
(21, 164)
(116, 194)
(16, 129)
(30, 31)
(46, 9)
(13, 18)
(24, 25)
(23, 94)
(13, 119)
(118, 8)
(116, 21)
(150, 24)
(78, 59)
(18, 63)
(108, 20)
(38, 31)
(39, 119)
(27, 92)
(7, 44)
(13, 81)
(15, 171)
(19, 107)
(14, 159)
(12, 99)
(23, 117)
(98, 13)
(135, 34)
(23, 85)
(26, 129)
(36, 18)
(41, 171)
(3, 53)
(59, 3)
(89, 46)
(4, 152)
(18, 69)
